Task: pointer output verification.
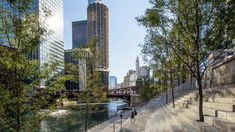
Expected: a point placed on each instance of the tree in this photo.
(196, 31)
(21, 99)
(93, 91)
(148, 91)
(164, 62)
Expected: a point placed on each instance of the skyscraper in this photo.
(79, 34)
(137, 67)
(52, 49)
(98, 30)
(93, 1)
(112, 82)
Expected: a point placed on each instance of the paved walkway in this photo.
(144, 113)
(154, 116)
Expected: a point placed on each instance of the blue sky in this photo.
(124, 32)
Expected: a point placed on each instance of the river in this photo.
(73, 120)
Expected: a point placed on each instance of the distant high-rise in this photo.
(98, 30)
(112, 82)
(137, 67)
(79, 34)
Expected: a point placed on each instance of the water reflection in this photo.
(73, 120)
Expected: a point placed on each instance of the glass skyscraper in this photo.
(52, 49)
(79, 34)
(112, 82)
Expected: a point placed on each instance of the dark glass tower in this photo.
(79, 34)
(97, 15)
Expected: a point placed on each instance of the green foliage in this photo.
(148, 91)
(21, 99)
(191, 31)
(93, 91)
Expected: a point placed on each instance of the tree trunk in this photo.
(199, 81)
(18, 119)
(172, 92)
(167, 97)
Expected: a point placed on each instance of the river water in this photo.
(73, 119)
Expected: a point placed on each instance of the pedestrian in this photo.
(133, 113)
(132, 117)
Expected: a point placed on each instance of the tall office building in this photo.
(98, 30)
(112, 82)
(52, 49)
(137, 67)
(93, 1)
(79, 34)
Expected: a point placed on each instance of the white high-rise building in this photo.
(137, 67)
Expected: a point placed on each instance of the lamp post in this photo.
(121, 121)
(86, 117)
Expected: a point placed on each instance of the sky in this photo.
(125, 34)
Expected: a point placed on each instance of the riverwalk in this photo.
(157, 116)
(144, 113)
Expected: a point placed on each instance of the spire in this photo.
(137, 66)
(94, 1)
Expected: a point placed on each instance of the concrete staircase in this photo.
(219, 111)
(165, 118)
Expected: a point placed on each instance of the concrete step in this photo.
(182, 105)
(230, 116)
(192, 116)
(220, 124)
(206, 111)
(187, 123)
(221, 100)
(217, 106)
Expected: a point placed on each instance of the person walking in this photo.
(133, 114)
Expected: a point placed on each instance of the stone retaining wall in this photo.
(221, 75)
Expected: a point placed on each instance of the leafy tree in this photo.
(93, 91)
(21, 99)
(196, 31)
(148, 91)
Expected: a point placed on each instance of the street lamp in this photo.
(121, 121)
(86, 117)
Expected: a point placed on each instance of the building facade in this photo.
(98, 30)
(133, 78)
(137, 67)
(69, 59)
(127, 78)
(52, 49)
(81, 65)
(79, 34)
(144, 72)
(112, 82)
